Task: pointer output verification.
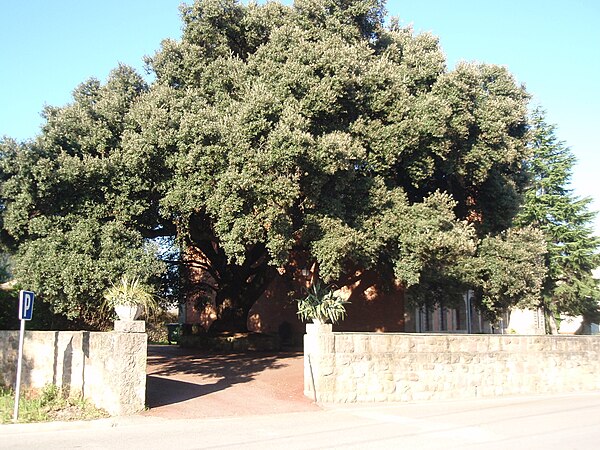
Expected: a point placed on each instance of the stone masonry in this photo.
(108, 369)
(377, 367)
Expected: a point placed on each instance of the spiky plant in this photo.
(322, 304)
(131, 292)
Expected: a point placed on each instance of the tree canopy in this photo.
(565, 220)
(269, 130)
(76, 204)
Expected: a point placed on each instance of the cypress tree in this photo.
(566, 221)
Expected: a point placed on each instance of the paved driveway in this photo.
(185, 383)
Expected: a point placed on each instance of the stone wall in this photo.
(108, 369)
(375, 367)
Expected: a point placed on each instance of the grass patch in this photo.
(50, 404)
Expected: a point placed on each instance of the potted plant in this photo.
(130, 299)
(321, 304)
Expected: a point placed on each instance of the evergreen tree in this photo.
(78, 206)
(272, 131)
(566, 222)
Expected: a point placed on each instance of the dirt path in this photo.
(185, 383)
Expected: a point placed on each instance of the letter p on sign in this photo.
(26, 305)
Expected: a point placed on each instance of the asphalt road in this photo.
(541, 422)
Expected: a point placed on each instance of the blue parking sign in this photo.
(26, 305)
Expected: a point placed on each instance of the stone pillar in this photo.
(124, 378)
(130, 326)
(130, 372)
(318, 343)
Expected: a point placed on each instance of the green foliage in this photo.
(9, 305)
(269, 130)
(566, 223)
(73, 267)
(52, 403)
(76, 207)
(509, 271)
(4, 268)
(130, 292)
(43, 318)
(321, 303)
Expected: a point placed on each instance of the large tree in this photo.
(270, 131)
(77, 204)
(566, 222)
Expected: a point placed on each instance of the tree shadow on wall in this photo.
(176, 375)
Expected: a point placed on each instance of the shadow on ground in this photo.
(192, 380)
(165, 391)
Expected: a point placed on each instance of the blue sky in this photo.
(552, 46)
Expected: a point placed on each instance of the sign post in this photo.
(25, 313)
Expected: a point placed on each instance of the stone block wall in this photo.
(108, 369)
(377, 367)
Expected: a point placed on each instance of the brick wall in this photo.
(376, 367)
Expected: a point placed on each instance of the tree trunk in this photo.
(236, 286)
(231, 312)
(551, 326)
(231, 320)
